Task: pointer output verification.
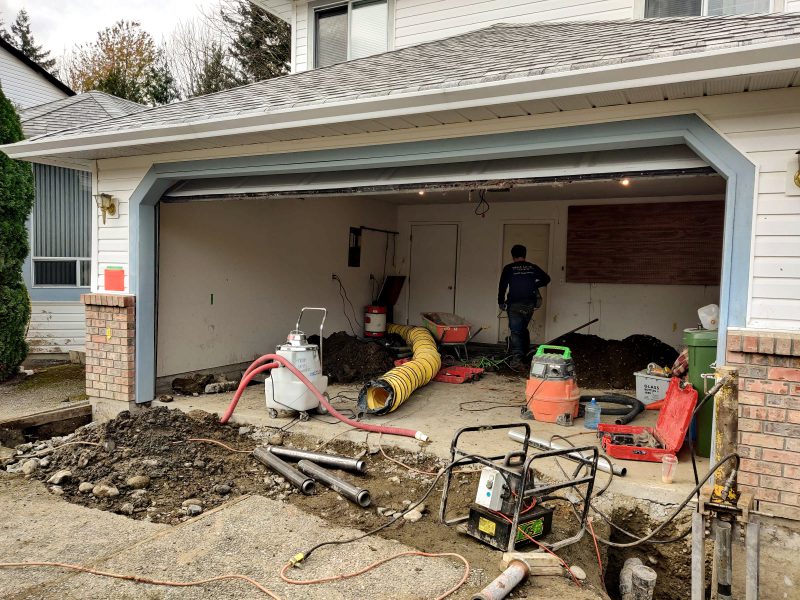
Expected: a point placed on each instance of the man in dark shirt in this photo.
(522, 281)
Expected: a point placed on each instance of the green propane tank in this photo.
(702, 345)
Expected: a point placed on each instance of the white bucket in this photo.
(375, 321)
(709, 316)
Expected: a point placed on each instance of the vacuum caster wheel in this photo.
(304, 416)
(273, 414)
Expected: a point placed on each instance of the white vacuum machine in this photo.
(286, 392)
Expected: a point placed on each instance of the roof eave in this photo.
(727, 62)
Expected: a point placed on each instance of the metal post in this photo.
(722, 558)
(752, 549)
(698, 556)
(726, 418)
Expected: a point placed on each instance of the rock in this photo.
(23, 448)
(406, 502)
(109, 446)
(245, 430)
(60, 477)
(85, 487)
(383, 511)
(101, 490)
(394, 479)
(421, 508)
(14, 468)
(221, 386)
(652, 559)
(30, 466)
(190, 501)
(57, 490)
(193, 510)
(138, 482)
(197, 415)
(193, 384)
(150, 462)
(413, 516)
(44, 462)
(199, 464)
(83, 460)
(166, 398)
(276, 439)
(579, 573)
(127, 508)
(222, 489)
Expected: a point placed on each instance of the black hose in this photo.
(634, 406)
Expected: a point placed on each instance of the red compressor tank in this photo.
(551, 393)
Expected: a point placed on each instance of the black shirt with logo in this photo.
(522, 280)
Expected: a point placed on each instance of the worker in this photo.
(521, 280)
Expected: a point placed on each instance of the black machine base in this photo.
(494, 530)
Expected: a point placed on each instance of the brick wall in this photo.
(769, 417)
(110, 347)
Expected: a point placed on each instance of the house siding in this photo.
(24, 87)
(764, 125)
(793, 6)
(56, 327)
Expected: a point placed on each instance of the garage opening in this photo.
(632, 238)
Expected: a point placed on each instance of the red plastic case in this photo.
(670, 430)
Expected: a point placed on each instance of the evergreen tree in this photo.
(16, 202)
(22, 38)
(261, 42)
(160, 85)
(216, 75)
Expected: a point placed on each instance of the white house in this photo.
(649, 163)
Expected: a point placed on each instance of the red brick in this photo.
(772, 387)
(787, 429)
(735, 358)
(767, 494)
(750, 343)
(745, 478)
(781, 483)
(783, 345)
(793, 416)
(778, 401)
(781, 456)
(796, 346)
(763, 441)
(766, 345)
(760, 466)
(792, 445)
(791, 472)
(784, 374)
(752, 398)
(734, 342)
(753, 425)
(751, 452)
(790, 499)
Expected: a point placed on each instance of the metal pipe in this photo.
(333, 461)
(515, 573)
(353, 493)
(752, 544)
(722, 558)
(292, 475)
(542, 444)
(698, 556)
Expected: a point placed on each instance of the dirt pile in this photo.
(347, 359)
(143, 466)
(610, 364)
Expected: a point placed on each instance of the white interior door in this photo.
(536, 238)
(432, 277)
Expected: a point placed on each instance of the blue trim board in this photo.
(690, 129)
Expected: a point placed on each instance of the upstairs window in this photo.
(694, 8)
(349, 30)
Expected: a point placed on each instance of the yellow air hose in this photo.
(385, 394)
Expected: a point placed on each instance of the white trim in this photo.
(93, 273)
(725, 62)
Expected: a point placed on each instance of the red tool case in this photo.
(670, 430)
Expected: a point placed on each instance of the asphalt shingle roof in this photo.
(501, 52)
(74, 111)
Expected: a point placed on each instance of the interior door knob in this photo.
(449, 287)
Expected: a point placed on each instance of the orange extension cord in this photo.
(137, 579)
(376, 564)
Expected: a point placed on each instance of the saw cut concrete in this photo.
(254, 536)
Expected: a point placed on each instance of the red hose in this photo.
(258, 366)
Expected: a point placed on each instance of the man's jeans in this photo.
(519, 316)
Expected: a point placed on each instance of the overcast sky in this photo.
(59, 24)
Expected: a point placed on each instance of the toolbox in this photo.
(489, 527)
(651, 443)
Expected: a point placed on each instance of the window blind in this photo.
(737, 7)
(369, 24)
(330, 44)
(672, 8)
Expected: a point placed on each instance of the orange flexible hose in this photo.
(597, 550)
(376, 564)
(138, 579)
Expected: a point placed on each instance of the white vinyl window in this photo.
(694, 8)
(347, 30)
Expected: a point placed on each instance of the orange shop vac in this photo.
(552, 396)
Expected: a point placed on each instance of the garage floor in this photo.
(438, 410)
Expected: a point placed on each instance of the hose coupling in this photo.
(297, 559)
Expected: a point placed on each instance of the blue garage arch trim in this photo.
(690, 129)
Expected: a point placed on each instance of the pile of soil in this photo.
(347, 359)
(610, 364)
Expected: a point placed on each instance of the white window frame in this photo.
(775, 6)
(321, 5)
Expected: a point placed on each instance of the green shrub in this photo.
(16, 202)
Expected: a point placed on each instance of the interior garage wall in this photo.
(262, 260)
(659, 310)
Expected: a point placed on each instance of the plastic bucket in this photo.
(375, 321)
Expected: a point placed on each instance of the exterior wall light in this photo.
(625, 182)
(107, 205)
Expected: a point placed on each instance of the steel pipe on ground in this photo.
(352, 492)
(515, 573)
(603, 464)
(296, 478)
(333, 461)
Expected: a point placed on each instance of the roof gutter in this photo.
(727, 62)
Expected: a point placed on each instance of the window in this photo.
(350, 30)
(691, 8)
(61, 227)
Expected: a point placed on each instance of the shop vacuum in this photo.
(551, 394)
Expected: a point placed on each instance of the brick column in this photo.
(769, 416)
(110, 353)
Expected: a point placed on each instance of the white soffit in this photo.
(663, 158)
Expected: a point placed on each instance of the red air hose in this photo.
(261, 364)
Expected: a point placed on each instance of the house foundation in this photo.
(110, 353)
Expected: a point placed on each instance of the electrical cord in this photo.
(346, 298)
